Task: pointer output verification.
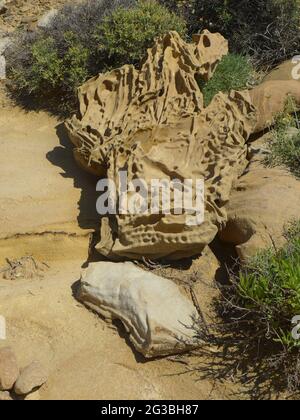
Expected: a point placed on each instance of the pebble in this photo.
(31, 378)
(9, 370)
(5, 396)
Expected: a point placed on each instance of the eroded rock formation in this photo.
(152, 123)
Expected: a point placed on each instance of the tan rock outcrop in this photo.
(43, 214)
(288, 70)
(153, 124)
(116, 105)
(261, 206)
(270, 99)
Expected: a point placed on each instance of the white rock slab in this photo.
(46, 19)
(2, 68)
(158, 317)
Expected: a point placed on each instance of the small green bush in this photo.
(285, 144)
(47, 67)
(252, 341)
(233, 72)
(270, 285)
(127, 33)
(50, 72)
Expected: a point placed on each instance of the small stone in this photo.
(29, 19)
(47, 18)
(34, 396)
(9, 370)
(31, 378)
(5, 396)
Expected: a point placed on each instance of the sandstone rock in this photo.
(154, 122)
(59, 228)
(289, 70)
(5, 396)
(31, 378)
(270, 99)
(264, 202)
(9, 370)
(2, 67)
(152, 309)
(46, 19)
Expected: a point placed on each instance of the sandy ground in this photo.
(46, 211)
(44, 197)
(86, 358)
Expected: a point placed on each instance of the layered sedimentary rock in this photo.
(158, 317)
(152, 123)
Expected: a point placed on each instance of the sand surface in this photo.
(46, 210)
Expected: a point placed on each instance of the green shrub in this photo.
(251, 342)
(127, 33)
(50, 75)
(270, 285)
(285, 144)
(47, 67)
(233, 72)
(48, 71)
(268, 30)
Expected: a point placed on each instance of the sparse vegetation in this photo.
(127, 33)
(267, 30)
(254, 340)
(285, 145)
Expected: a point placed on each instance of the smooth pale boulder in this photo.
(288, 70)
(158, 317)
(262, 205)
(270, 99)
(31, 378)
(9, 370)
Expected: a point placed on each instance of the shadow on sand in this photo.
(62, 156)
